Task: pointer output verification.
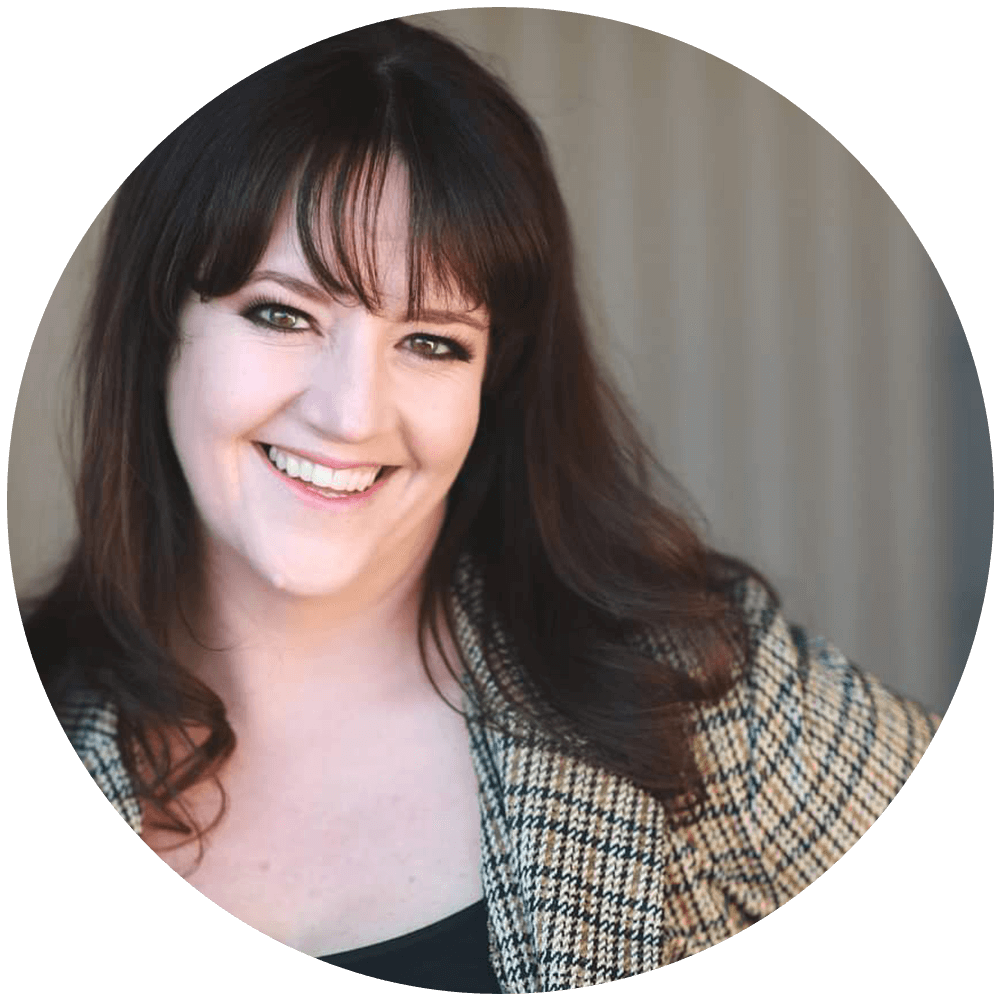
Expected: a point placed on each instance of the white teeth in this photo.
(322, 476)
(354, 480)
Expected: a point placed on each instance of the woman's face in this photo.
(283, 403)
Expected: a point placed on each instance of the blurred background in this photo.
(791, 352)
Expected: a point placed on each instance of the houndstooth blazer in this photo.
(586, 879)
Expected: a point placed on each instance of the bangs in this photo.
(338, 203)
(459, 246)
(475, 232)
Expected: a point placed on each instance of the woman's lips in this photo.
(315, 458)
(321, 497)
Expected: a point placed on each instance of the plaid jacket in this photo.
(586, 880)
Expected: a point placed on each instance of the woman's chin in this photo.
(308, 582)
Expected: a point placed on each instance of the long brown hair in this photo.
(584, 563)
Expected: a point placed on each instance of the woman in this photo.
(376, 629)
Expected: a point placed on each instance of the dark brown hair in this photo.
(583, 562)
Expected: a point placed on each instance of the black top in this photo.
(452, 954)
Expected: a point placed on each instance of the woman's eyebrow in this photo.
(315, 294)
(297, 285)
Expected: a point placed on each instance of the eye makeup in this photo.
(288, 319)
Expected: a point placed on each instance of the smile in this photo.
(327, 482)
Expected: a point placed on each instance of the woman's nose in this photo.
(345, 399)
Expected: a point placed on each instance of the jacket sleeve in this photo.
(830, 747)
(806, 754)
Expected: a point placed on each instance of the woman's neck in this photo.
(272, 656)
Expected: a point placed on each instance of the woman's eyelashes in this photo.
(280, 317)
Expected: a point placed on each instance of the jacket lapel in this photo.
(574, 858)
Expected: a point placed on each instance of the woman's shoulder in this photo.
(89, 720)
(91, 724)
(793, 676)
(803, 716)
(800, 757)
(798, 712)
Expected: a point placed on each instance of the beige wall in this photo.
(777, 324)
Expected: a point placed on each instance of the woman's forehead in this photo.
(376, 212)
(379, 245)
(285, 257)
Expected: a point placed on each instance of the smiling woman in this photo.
(376, 629)
(328, 383)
